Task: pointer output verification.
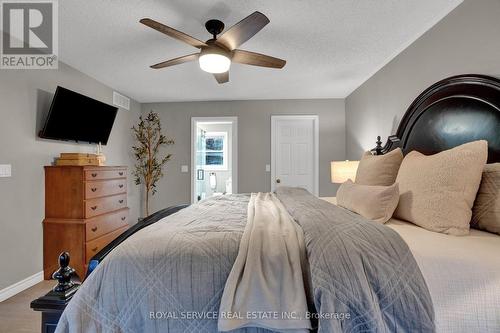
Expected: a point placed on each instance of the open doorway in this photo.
(214, 157)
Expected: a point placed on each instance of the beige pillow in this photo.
(376, 203)
(437, 191)
(379, 169)
(486, 209)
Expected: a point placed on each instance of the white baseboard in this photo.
(20, 286)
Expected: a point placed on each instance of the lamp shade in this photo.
(214, 59)
(343, 170)
(214, 63)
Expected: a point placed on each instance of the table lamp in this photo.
(343, 170)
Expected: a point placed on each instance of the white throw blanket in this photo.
(266, 286)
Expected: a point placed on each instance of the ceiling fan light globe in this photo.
(214, 63)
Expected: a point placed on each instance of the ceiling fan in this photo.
(217, 53)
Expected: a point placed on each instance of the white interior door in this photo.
(294, 152)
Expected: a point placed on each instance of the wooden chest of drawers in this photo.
(85, 209)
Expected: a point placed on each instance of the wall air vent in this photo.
(121, 101)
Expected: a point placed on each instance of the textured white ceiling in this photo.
(331, 46)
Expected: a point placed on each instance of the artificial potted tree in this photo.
(150, 160)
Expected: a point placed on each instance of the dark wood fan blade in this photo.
(243, 30)
(257, 59)
(222, 77)
(173, 33)
(176, 61)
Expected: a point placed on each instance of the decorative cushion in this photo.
(376, 203)
(437, 191)
(486, 209)
(379, 169)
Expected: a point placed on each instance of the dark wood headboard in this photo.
(449, 113)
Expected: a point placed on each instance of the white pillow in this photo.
(486, 209)
(379, 169)
(437, 191)
(376, 203)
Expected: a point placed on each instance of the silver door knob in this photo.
(278, 180)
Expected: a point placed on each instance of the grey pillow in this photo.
(376, 203)
(379, 170)
(486, 209)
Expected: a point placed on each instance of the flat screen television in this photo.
(75, 117)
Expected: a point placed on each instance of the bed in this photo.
(462, 273)
(387, 278)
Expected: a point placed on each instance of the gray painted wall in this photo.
(254, 141)
(25, 96)
(465, 41)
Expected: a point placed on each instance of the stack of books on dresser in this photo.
(80, 159)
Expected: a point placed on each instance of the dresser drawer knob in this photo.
(120, 186)
(94, 229)
(120, 201)
(93, 189)
(123, 218)
(120, 173)
(94, 174)
(93, 207)
(95, 249)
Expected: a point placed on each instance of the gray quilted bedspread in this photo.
(169, 277)
(361, 268)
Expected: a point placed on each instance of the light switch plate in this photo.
(5, 170)
(184, 168)
(268, 168)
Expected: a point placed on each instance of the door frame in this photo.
(234, 171)
(315, 119)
